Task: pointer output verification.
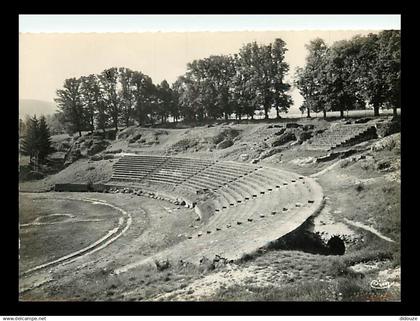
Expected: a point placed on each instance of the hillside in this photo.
(360, 181)
(33, 106)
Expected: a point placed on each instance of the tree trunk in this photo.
(80, 133)
(92, 125)
(341, 113)
(375, 110)
(394, 111)
(226, 116)
(325, 113)
(309, 113)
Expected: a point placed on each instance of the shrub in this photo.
(283, 139)
(162, 265)
(184, 144)
(360, 187)
(224, 144)
(228, 133)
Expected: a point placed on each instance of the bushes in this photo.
(97, 146)
(135, 138)
(283, 139)
(388, 128)
(26, 174)
(224, 144)
(184, 144)
(226, 134)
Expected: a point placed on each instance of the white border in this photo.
(194, 23)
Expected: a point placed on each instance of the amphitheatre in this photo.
(283, 209)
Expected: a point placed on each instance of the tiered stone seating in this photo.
(135, 168)
(218, 175)
(276, 201)
(337, 136)
(177, 170)
(157, 169)
(247, 227)
(245, 206)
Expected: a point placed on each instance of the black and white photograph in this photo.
(218, 165)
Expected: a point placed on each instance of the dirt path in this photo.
(325, 169)
(370, 229)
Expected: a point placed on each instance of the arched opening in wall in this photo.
(303, 239)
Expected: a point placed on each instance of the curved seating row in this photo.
(245, 205)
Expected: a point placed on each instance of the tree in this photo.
(29, 146)
(142, 90)
(22, 128)
(218, 73)
(189, 98)
(310, 80)
(127, 98)
(243, 95)
(280, 99)
(43, 140)
(175, 108)
(70, 103)
(91, 98)
(199, 92)
(380, 69)
(390, 56)
(164, 100)
(55, 123)
(342, 92)
(37, 142)
(265, 71)
(109, 83)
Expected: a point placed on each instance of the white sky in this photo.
(46, 59)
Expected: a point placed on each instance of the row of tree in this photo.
(115, 96)
(213, 87)
(347, 75)
(351, 73)
(243, 83)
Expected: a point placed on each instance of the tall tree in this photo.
(164, 100)
(267, 68)
(29, 146)
(243, 94)
(341, 93)
(380, 69)
(91, 98)
(280, 97)
(189, 99)
(70, 103)
(22, 128)
(175, 108)
(127, 98)
(109, 82)
(142, 90)
(218, 73)
(310, 80)
(43, 139)
(390, 56)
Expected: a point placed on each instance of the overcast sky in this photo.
(47, 59)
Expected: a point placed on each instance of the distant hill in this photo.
(38, 107)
